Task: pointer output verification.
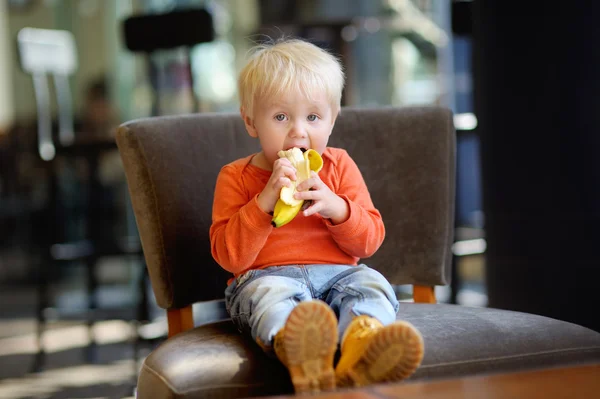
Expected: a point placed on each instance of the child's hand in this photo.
(324, 201)
(283, 175)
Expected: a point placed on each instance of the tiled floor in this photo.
(66, 370)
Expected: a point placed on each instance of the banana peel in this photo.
(287, 207)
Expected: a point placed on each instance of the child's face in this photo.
(291, 120)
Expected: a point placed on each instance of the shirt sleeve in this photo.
(363, 233)
(239, 227)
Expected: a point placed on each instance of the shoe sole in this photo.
(393, 354)
(310, 342)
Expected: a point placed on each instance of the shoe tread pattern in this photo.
(310, 342)
(393, 354)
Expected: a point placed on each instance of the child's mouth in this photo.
(303, 149)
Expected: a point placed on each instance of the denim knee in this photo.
(365, 291)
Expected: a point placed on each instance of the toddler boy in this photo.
(299, 289)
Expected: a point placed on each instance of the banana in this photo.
(287, 207)
(283, 213)
(297, 160)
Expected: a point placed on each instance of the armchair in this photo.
(407, 158)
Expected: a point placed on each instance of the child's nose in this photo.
(297, 130)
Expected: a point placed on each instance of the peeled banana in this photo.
(287, 207)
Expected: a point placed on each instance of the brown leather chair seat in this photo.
(215, 360)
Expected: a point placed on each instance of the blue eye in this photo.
(312, 117)
(280, 117)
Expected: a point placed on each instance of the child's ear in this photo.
(333, 121)
(249, 123)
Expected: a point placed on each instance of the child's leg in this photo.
(362, 291)
(375, 347)
(307, 345)
(260, 301)
(276, 307)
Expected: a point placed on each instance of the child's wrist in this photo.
(264, 204)
(343, 214)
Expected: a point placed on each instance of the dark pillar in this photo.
(537, 99)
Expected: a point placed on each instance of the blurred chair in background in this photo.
(76, 225)
(150, 33)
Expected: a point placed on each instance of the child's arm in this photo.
(239, 227)
(363, 232)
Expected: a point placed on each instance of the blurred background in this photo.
(77, 314)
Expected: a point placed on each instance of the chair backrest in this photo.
(406, 156)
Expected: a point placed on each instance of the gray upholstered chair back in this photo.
(406, 156)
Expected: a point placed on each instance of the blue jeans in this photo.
(260, 301)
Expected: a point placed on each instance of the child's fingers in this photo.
(282, 182)
(308, 195)
(282, 169)
(315, 207)
(291, 173)
(312, 183)
(282, 161)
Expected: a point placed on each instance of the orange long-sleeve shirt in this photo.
(243, 238)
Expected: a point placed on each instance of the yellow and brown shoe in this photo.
(372, 353)
(306, 346)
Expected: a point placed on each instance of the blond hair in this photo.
(290, 65)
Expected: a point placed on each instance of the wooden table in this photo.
(577, 382)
